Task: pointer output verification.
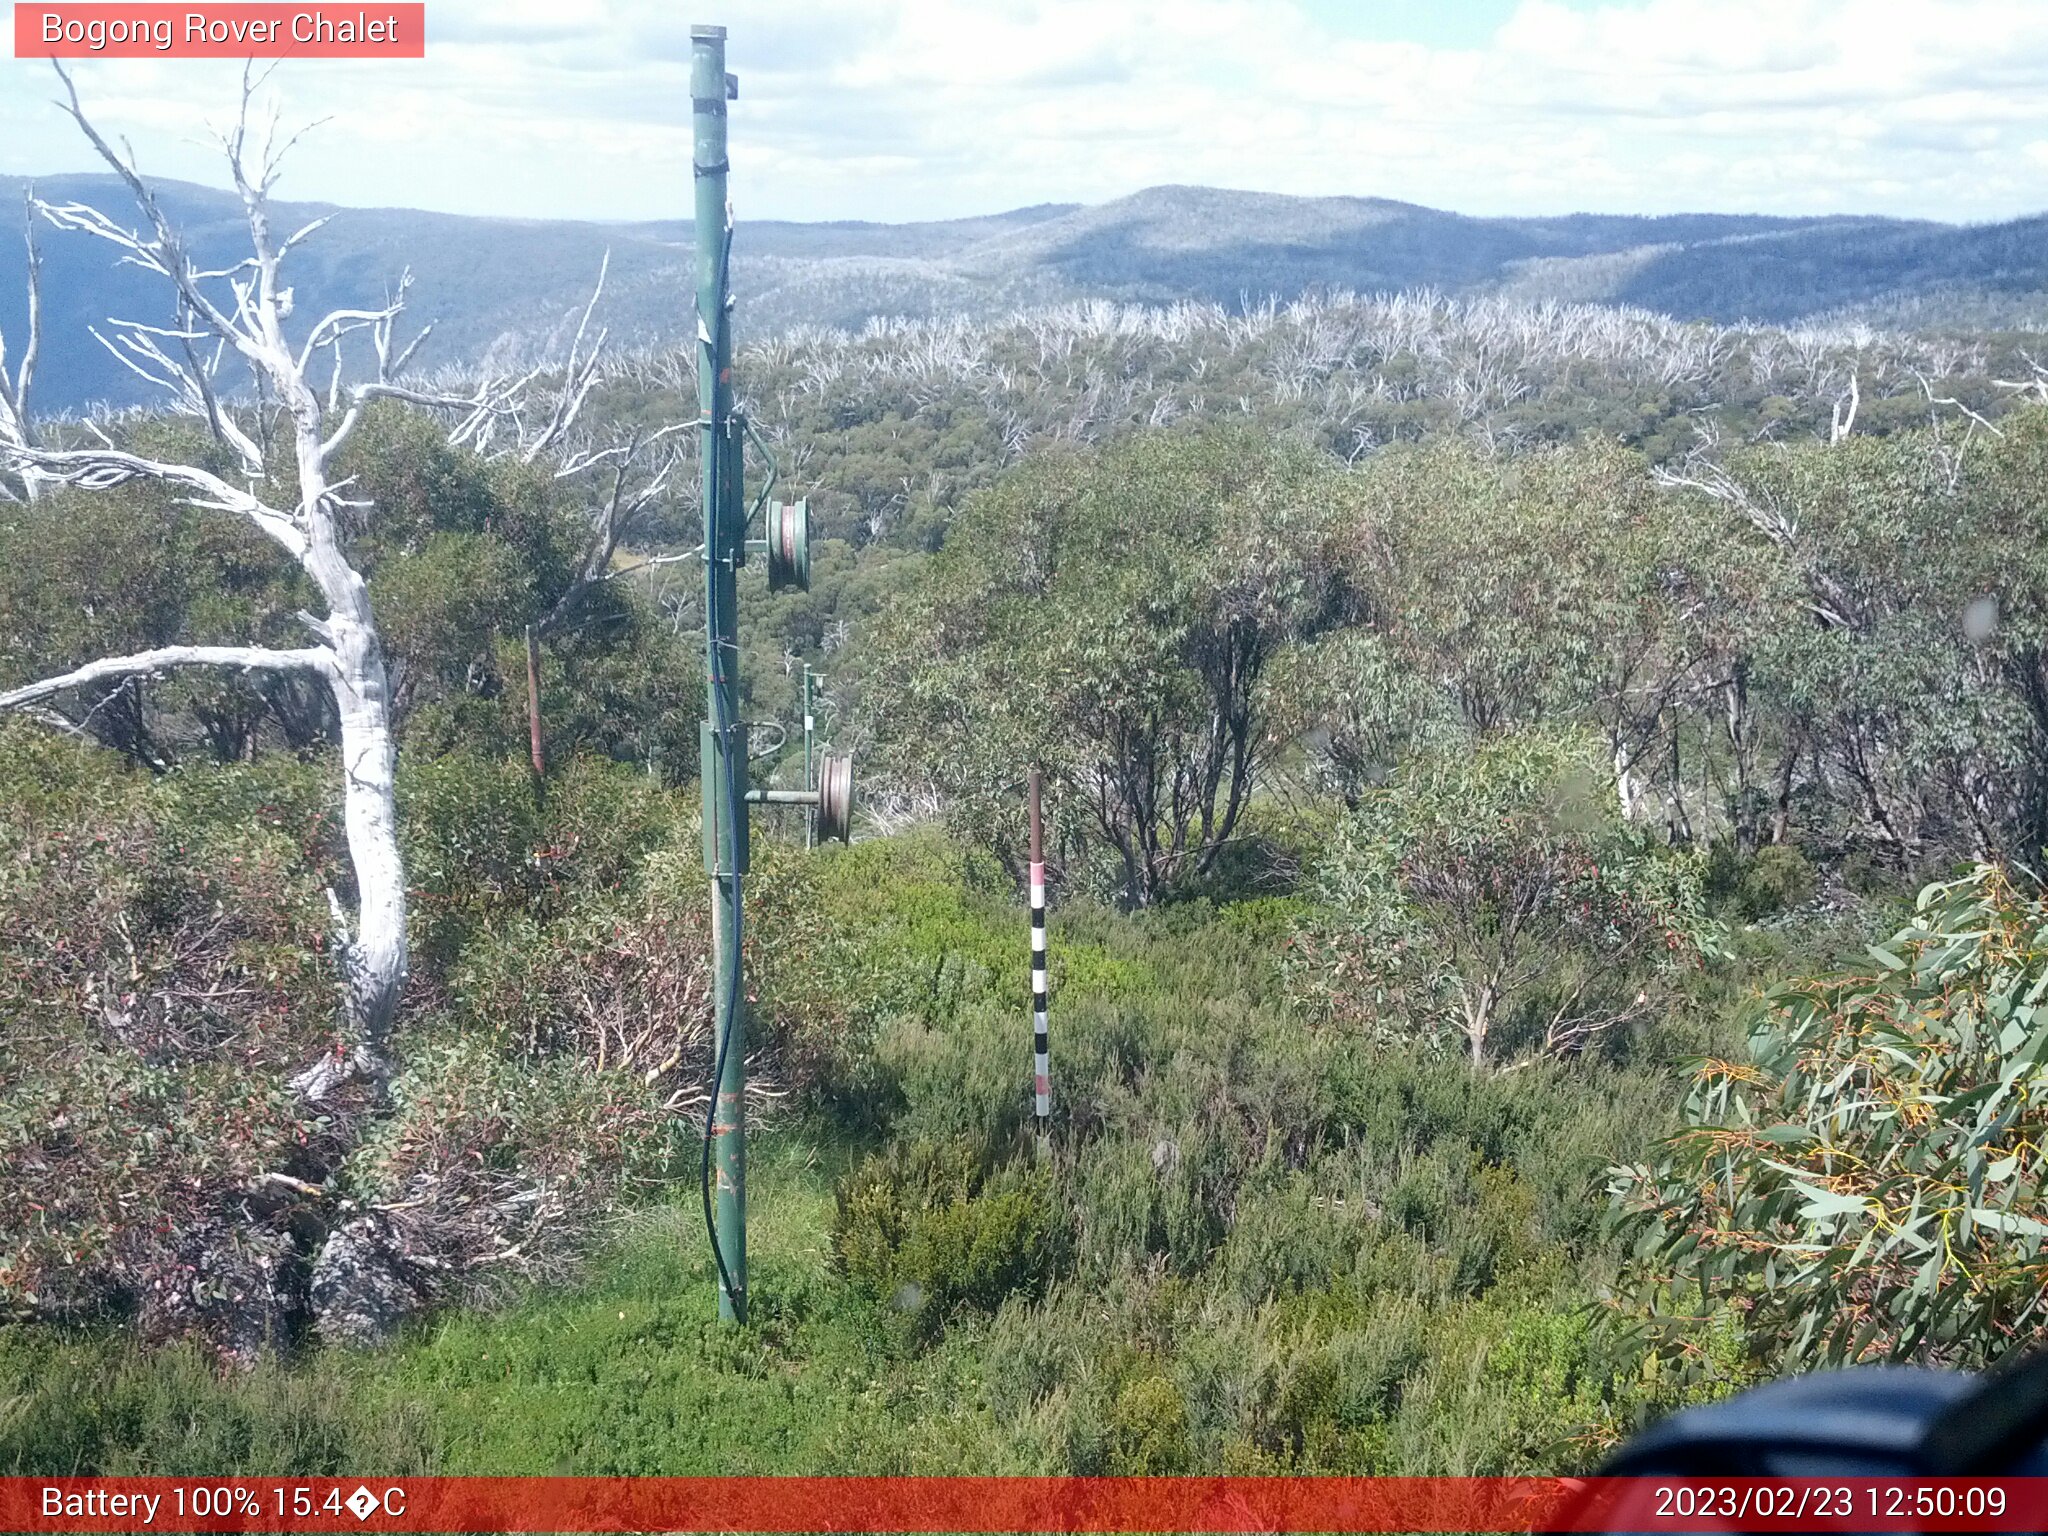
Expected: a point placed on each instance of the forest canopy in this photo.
(1457, 719)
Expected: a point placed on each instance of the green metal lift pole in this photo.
(810, 772)
(722, 755)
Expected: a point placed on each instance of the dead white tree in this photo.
(1846, 406)
(15, 423)
(238, 313)
(1950, 457)
(2036, 387)
(1701, 471)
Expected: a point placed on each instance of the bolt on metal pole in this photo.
(722, 756)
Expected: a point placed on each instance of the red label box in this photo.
(354, 29)
(1108, 1505)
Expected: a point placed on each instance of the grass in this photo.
(627, 1372)
(1288, 1251)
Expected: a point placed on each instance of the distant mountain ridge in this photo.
(505, 287)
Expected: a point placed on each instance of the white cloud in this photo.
(925, 108)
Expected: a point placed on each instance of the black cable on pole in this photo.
(735, 806)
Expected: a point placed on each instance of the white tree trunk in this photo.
(1628, 789)
(243, 308)
(377, 950)
(249, 321)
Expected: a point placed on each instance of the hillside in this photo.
(1939, 272)
(485, 282)
(1469, 730)
(498, 286)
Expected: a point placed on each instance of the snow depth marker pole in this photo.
(810, 767)
(1041, 1047)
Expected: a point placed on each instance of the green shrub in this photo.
(620, 980)
(468, 828)
(1371, 1363)
(1267, 857)
(1774, 879)
(1870, 1183)
(929, 1232)
(1475, 1214)
(498, 1168)
(79, 1406)
(478, 845)
(1496, 900)
(1148, 1429)
(1167, 1197)
(163, 962)
(1294, 1237)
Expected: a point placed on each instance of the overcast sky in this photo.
(911, 109)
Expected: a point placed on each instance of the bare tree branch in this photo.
(579, 375)
(655, 456)
(243, 658)
(164, 253)
(99, 469)
(1935, 400)
(1827, 601)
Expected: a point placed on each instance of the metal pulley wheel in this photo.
(835, 798)
(789, 546)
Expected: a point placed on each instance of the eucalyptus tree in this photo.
(1112, 617)
(1804, 1202)
(1550, 585)
(1900, 687)
(1497, 901)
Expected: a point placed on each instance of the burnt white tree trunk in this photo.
(239, 314)
(15, 424)
(375, 954)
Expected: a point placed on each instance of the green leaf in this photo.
(1965, 1101)
(1787, 1135)
(1819, 1204)
(2008, 1221)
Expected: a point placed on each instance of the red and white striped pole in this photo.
(1040, 1047)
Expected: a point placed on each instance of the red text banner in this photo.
(1021, 1504)
(215, 30)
